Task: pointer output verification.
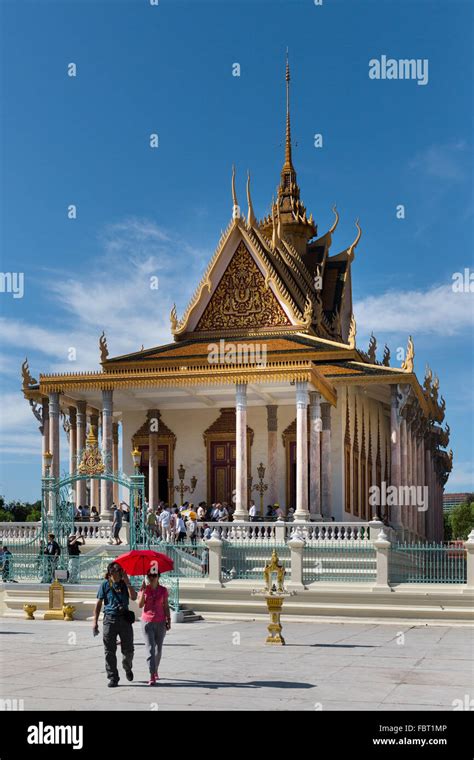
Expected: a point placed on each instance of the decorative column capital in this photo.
(241, 395)
(54, 401)
(107, 401)
(315, 405)
(400, 394)
(272, 419)
(81, 407)
(72, 417)
(302, 395)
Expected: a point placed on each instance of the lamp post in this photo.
(274, 592)
(261, 487)
(182, 489)
(136, 487)
(46, 488)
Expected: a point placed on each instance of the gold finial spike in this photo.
(274, 232)
(336, 221)
(352, 333)
(353, 246)
(288, 160)
(251, 219)
(235, 209)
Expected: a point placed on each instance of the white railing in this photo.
(281, 531)
(23, 530)
(276, 531)
(94, 530)
(333, 531)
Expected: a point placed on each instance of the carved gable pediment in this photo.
(242, 299)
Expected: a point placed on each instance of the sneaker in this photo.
(157, 677)
(112, 683)
(152, 680)
(129, 674)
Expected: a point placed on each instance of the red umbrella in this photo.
(140, 562)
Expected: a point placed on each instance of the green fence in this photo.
(247, 561)
(329, 561)
(86, 570)
(427, 563)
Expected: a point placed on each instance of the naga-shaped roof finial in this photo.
(28, 379)
(104, 351)
(351, 339)
(407, 365)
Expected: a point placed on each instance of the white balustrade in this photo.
(94, 531)
(23, 530)
(234, 532)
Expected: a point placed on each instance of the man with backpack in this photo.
(52, 554)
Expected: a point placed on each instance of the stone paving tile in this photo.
(425, 695)
(343, 666)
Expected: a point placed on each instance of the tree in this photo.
(448, 528)
(462, 519)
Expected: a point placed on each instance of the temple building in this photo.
(263, 387)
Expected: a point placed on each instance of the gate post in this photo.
(469, 546)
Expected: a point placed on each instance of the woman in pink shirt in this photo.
(156, 620)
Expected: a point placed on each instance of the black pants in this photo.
(113, 627)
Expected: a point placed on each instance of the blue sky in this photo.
(167, 69)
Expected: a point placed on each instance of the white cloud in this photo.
(436, 311)
(111, 294)
(446, 162)
(115, 295)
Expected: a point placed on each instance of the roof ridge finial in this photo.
(251, 218)
(235, 206)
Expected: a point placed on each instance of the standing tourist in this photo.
(52, 554)
(116, 524)
(180, 529)
(74, 552)
(164, 521)
(115, 592)
(156, 620)
(253, 513)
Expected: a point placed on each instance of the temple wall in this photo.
(189, 425)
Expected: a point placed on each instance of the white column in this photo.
(115, 459)
(315, 427)
(45, 443)
(422, 518)
(302, 401)
(95, 484)
(241, 508)
(153, 469)
(404, 470)
(272, 428)
(395, 454)
(326, 468)
(54, 433)
(429, 483)
(107, 444)
(72, 441)
(81, 423)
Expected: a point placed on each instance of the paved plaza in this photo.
(53, 665)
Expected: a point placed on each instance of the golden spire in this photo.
(288, 161)
(251, 219)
